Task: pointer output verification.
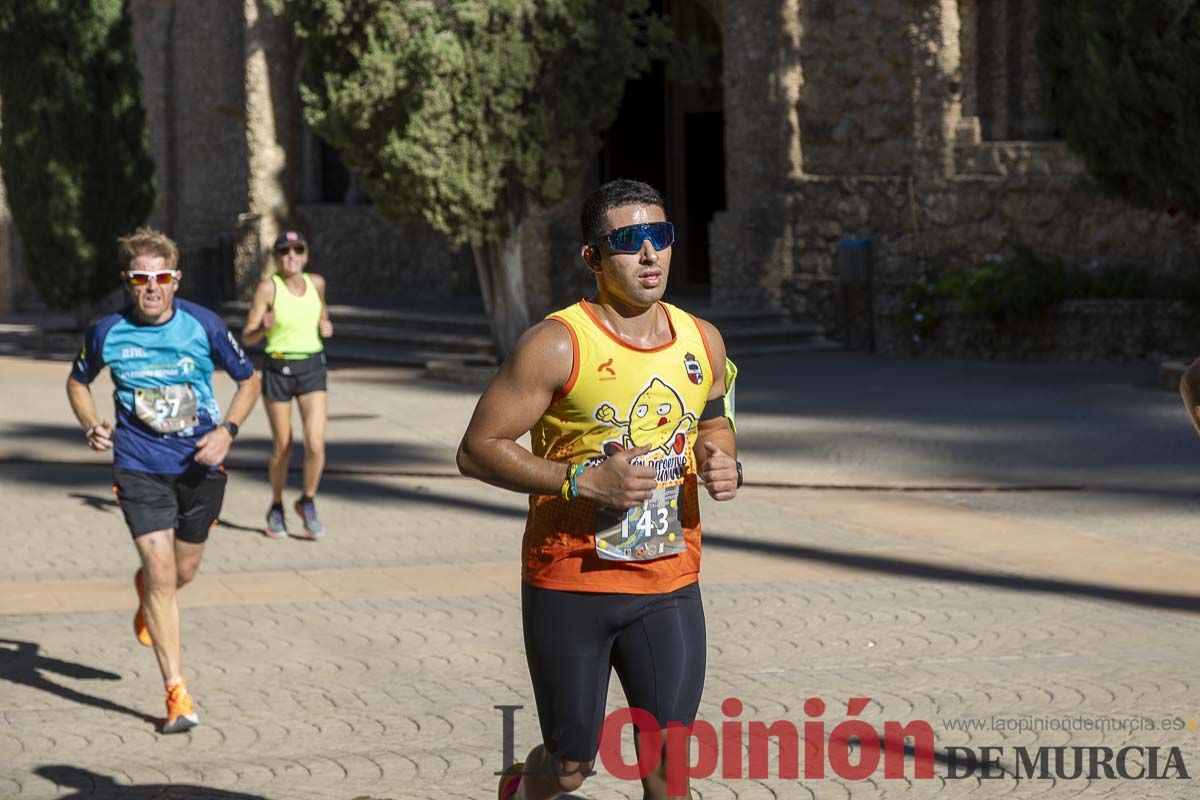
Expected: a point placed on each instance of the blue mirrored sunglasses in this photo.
(629, 239)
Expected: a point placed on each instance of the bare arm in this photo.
(1189, 389)
(99, 432)
(325, 325)
(260, 318)
(212, 447)
(513, 402)
(716, 444)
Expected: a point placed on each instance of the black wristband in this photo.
(231, 427)
(739, 469)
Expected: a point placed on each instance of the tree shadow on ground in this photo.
(355, 485)
(905, 568)
(21, 664)
(77, 782)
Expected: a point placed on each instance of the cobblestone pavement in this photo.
(986, 545)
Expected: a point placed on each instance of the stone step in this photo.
(394, 337)
(373, 353)
(449, 342)
(470, 323)
(739, 352)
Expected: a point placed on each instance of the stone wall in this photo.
(926, 186)
(192, 58)
(371, 261)
(1077, 330)
(959, 221)
(855, 116)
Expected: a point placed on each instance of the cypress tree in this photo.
(462, 113)
(74, 149)
(1121, 78)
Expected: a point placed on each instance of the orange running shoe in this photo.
(181, 714)
(139, 620)
(510, 781)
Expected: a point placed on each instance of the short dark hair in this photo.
(593, 221)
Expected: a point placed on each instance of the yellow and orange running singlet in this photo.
(619, 397)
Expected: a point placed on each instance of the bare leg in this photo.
(542, 779)
(159, 606)
(187, 562)
(654, 785)
(314, 410)
(280, 417)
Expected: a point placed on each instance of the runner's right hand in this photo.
(99, 437)
(617, 483)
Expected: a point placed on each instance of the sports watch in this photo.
(233, 432)
(739, 469)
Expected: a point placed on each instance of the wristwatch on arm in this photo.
(739, 469)
(233, 432)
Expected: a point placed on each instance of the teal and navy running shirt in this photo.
(175, 358)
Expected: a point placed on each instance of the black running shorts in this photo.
(189, 503)
(573, 640)
(285, 378)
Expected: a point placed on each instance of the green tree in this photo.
(464, 112)
(1121, 78)
(73, 143)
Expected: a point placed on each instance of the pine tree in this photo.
(1121, 78)
(73, 143)
(463, 112)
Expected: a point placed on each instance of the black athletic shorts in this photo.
(285, 378)
(573, 640)
(190, 503)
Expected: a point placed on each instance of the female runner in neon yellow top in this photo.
(289, 310)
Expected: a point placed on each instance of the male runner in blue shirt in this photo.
(170, 438)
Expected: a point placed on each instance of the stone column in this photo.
(8, 252)
(937, 87)
(152, 33)
(752, 240)
(273, 131)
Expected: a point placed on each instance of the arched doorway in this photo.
(669, 133)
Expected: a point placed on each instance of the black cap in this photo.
(289, 237)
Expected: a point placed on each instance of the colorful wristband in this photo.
(576, 471)
(565, 490)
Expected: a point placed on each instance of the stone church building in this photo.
(916, 124)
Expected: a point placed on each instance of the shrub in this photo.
(73, 148)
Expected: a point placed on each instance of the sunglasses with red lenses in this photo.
(140, 278)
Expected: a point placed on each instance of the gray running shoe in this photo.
(307, 510)
(276, 524)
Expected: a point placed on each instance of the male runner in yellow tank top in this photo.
(624, 397)
(289, 310)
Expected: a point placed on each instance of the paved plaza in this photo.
(985, 547)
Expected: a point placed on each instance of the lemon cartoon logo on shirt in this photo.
(658, 419)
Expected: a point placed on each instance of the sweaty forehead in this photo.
(621, 216)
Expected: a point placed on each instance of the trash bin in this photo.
(856, 278)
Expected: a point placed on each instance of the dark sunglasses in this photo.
(298, 249)
(140, 278)
(629, 239)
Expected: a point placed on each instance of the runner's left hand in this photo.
(212, 447)
(325, 328)
(719, 473)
